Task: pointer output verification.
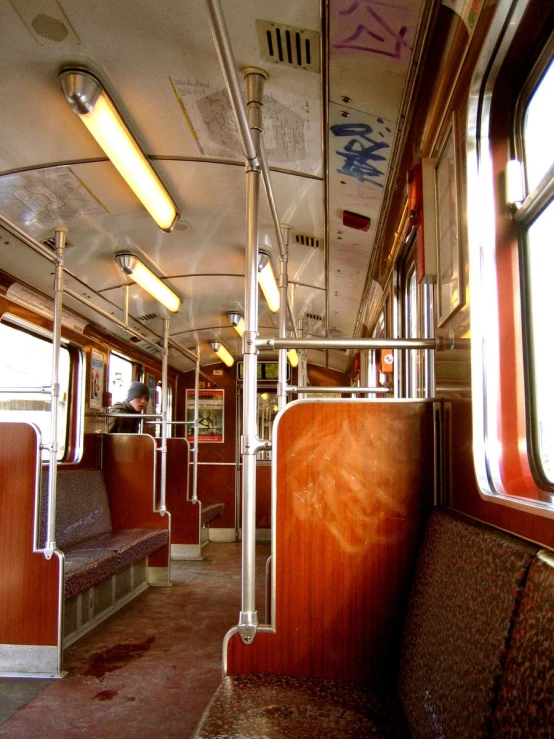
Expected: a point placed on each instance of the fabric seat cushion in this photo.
(86, 568)
(462, 608)
(283, 706)
(130, 545)
(526, 702)
(210, 511)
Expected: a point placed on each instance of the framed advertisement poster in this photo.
(449, 277)
(96, 379)
(211, 414)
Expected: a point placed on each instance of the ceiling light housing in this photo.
(87, 97)
(267, 281)
(237, 322)
(223, 353)
(132, 266)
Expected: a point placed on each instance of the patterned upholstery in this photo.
(93, 552)
(526, 703)
(130, 545)
(462, 607)
(82, 507)
(84, 569)
(283, 707)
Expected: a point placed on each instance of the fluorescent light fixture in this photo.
(223, 353)
(131, 265)
(237, 322)
(292, 354)
(89, 100)
(267, 281)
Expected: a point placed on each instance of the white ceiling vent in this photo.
(46, 21)
(288, 45)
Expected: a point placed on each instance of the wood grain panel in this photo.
(355, 485)
(128, 463)
(185, 516)
(29, 584)
(216, 484)
(465, 495)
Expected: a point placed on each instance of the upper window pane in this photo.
(537, 130)
(26, 361)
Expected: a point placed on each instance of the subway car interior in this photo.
(276, 418)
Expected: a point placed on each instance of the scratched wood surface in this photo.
(185, 516)
(29, 584)
(129, 465)
(354, 487)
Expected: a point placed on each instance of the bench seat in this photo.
(92, 550)
(284, 706)
(85, 568)
(475, 663)
(211, 511)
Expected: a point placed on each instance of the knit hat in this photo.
(137, 390)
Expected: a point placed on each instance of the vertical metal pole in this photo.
(283, 285)
(364, 370)
(302, 361)
(248, 620)
(60, 234)
(126, 302)
(195, 427)
(163, 449)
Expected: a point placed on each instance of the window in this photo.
(120, 376)
(511, 259)
(536, 221)
(26, 362)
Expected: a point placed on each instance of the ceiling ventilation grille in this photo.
(148, 317)
(288, 45)
(306, 240)
(51, 243)
(314, 317)
(46, 22)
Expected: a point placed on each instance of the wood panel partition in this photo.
(129, 467)
(185, 516)
(29, 583)
(354, 487)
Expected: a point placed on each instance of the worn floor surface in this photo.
(149, 670)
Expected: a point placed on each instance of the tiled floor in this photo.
(149, 670)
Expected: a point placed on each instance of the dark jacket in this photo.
(124, 425)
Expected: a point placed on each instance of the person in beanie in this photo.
(137, 401)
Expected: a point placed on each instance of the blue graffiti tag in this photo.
(353, 41)
(357, 156)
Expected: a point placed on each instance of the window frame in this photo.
(502, 455)
(74, 425)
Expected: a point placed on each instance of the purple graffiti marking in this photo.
(384, 33)
(359, 157)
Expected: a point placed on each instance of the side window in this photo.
(535, 218)
(510, 225)
(120, 376)
(26, 362)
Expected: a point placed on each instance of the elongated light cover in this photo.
(292, 355)
(267, 282)
(90, 101)
(143, 276)
(237, 322)
(223, 353)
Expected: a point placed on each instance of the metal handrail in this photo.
(346, 389)
(349, 343)
(45, 390)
